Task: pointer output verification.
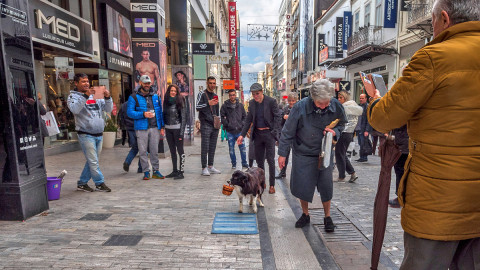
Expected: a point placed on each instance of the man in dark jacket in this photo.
(364, 128)
(127, 123)
(264, 116)
(233, 115)
(207, 107)
(292, 99)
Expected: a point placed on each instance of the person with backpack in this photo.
(127, 123)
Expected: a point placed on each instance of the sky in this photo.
(254, 54)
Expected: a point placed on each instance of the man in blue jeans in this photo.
(127, 122)
(89, 124)
(233, 115)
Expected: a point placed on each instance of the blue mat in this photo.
(235, 223)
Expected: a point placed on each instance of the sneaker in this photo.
(245, 166)
(394, 203)
(340, 179)
(212, 170)
(172, 174)
(179, 176)
(329, 226)
(146, 176)
(102, 187)
(126, 166)
(353, 178)
(234, 167)
(157, 175)
(85, 188)
(361, 160)
(205, 172)
(302, 221)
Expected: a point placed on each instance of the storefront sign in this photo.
(222, 58)
(119, 63)
(321, 47)
(344, 86)
(405, 5)
(339, 38)
(232, 30)
(58, 28)
(147, 7)
(228, 84)
(390, 14)
(203, 48)
(288, 28)
(323, 55)
(347, 31)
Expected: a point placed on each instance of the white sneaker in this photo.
(213, 170)
(205, 172)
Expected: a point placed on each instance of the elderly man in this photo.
(264, 117)
(438, 98)
(304, 130)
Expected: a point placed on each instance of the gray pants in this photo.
(147, 141)
(430, 254)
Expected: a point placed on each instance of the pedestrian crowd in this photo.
(430, 113)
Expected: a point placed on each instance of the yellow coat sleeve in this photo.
(406, 97)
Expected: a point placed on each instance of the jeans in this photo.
(343, 163)
(91, 147)
(132, 140)
(176, 146)
(232, 140)
(265, 146)
(361, 139)
(148, 143)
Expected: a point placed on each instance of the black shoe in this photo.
(103, 187)
(302, 221)
(85, 188)
(179, 176)
(329, 226)
(361, 160)
(394, 203)
(172, 174)
(126, 167)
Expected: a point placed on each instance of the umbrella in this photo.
(389, 154)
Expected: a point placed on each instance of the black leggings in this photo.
(176, 146)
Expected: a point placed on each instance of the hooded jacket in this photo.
(438, 98)
(233, 115)
(88, 115)
(136, 112)
(353, 111)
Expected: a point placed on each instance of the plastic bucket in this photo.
(54, 185)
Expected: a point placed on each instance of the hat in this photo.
(256, 87)
(145, 79)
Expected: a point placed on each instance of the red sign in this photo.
(228, 84)
(323, 55)
(232, 31)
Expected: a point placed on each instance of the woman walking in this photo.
(353, 111)
(174, 117)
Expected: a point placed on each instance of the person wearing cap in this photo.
(145, 108)
(265, 117)
(207, 107)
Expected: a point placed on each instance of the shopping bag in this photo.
(51, 123)
(367, 148)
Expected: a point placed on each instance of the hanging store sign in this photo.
(119, 63)
(339, 38)
(288, 29)
(323, 55)
(344, 86)
(203, 48)
(58, 28)
(222, 58)
(232, 30)
(228, 84)
(405, 5)
(390, 14)
(321, 47)
(347, 31)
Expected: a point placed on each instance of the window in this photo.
(367, 15)
(87, 11)
(74, 7)
(357, 21)
(378, 13)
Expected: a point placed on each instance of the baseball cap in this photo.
(256, 87)
(145, 79)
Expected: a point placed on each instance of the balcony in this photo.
(420, 17)
(369, 35)
(332, 56)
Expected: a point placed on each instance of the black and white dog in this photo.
(250, 183)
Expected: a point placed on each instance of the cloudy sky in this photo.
(254, 54)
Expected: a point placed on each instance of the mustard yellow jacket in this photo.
(438, 97)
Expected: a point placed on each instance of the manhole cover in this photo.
(317, 215)
(343, 233)
(123, 240)
(97, 217)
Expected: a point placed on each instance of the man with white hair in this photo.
(438, 98)
(304, 131)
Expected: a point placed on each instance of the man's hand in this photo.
(106, 93)
(329, 130)
(162, 132)
(365, 134)
(213, 102)
(281, 162)
(240, 140)
(285, 116)
(148, 115)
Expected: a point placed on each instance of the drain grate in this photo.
(123, 240)
(345, 231)
(97, 217)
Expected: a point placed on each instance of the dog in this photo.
(250, 183)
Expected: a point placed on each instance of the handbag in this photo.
(217, 123)
(366, 148)
(51, 124)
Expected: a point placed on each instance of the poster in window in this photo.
(119, 32)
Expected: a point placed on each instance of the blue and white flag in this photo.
(144, 25)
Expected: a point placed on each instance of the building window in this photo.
(74, 7)
(378, 13)
(87, 10)
(357, 21)
(367, 15)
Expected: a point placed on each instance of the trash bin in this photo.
(54, 185)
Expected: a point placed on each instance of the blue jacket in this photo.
(136, 113)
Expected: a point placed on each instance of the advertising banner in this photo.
(347, 31)
(145, 59)
(232, 30)
(339, 38)
(119, 32)
(321, 47)
(390, 14)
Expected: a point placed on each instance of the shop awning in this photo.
(364, 54)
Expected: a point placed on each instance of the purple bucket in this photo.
(54, 185)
